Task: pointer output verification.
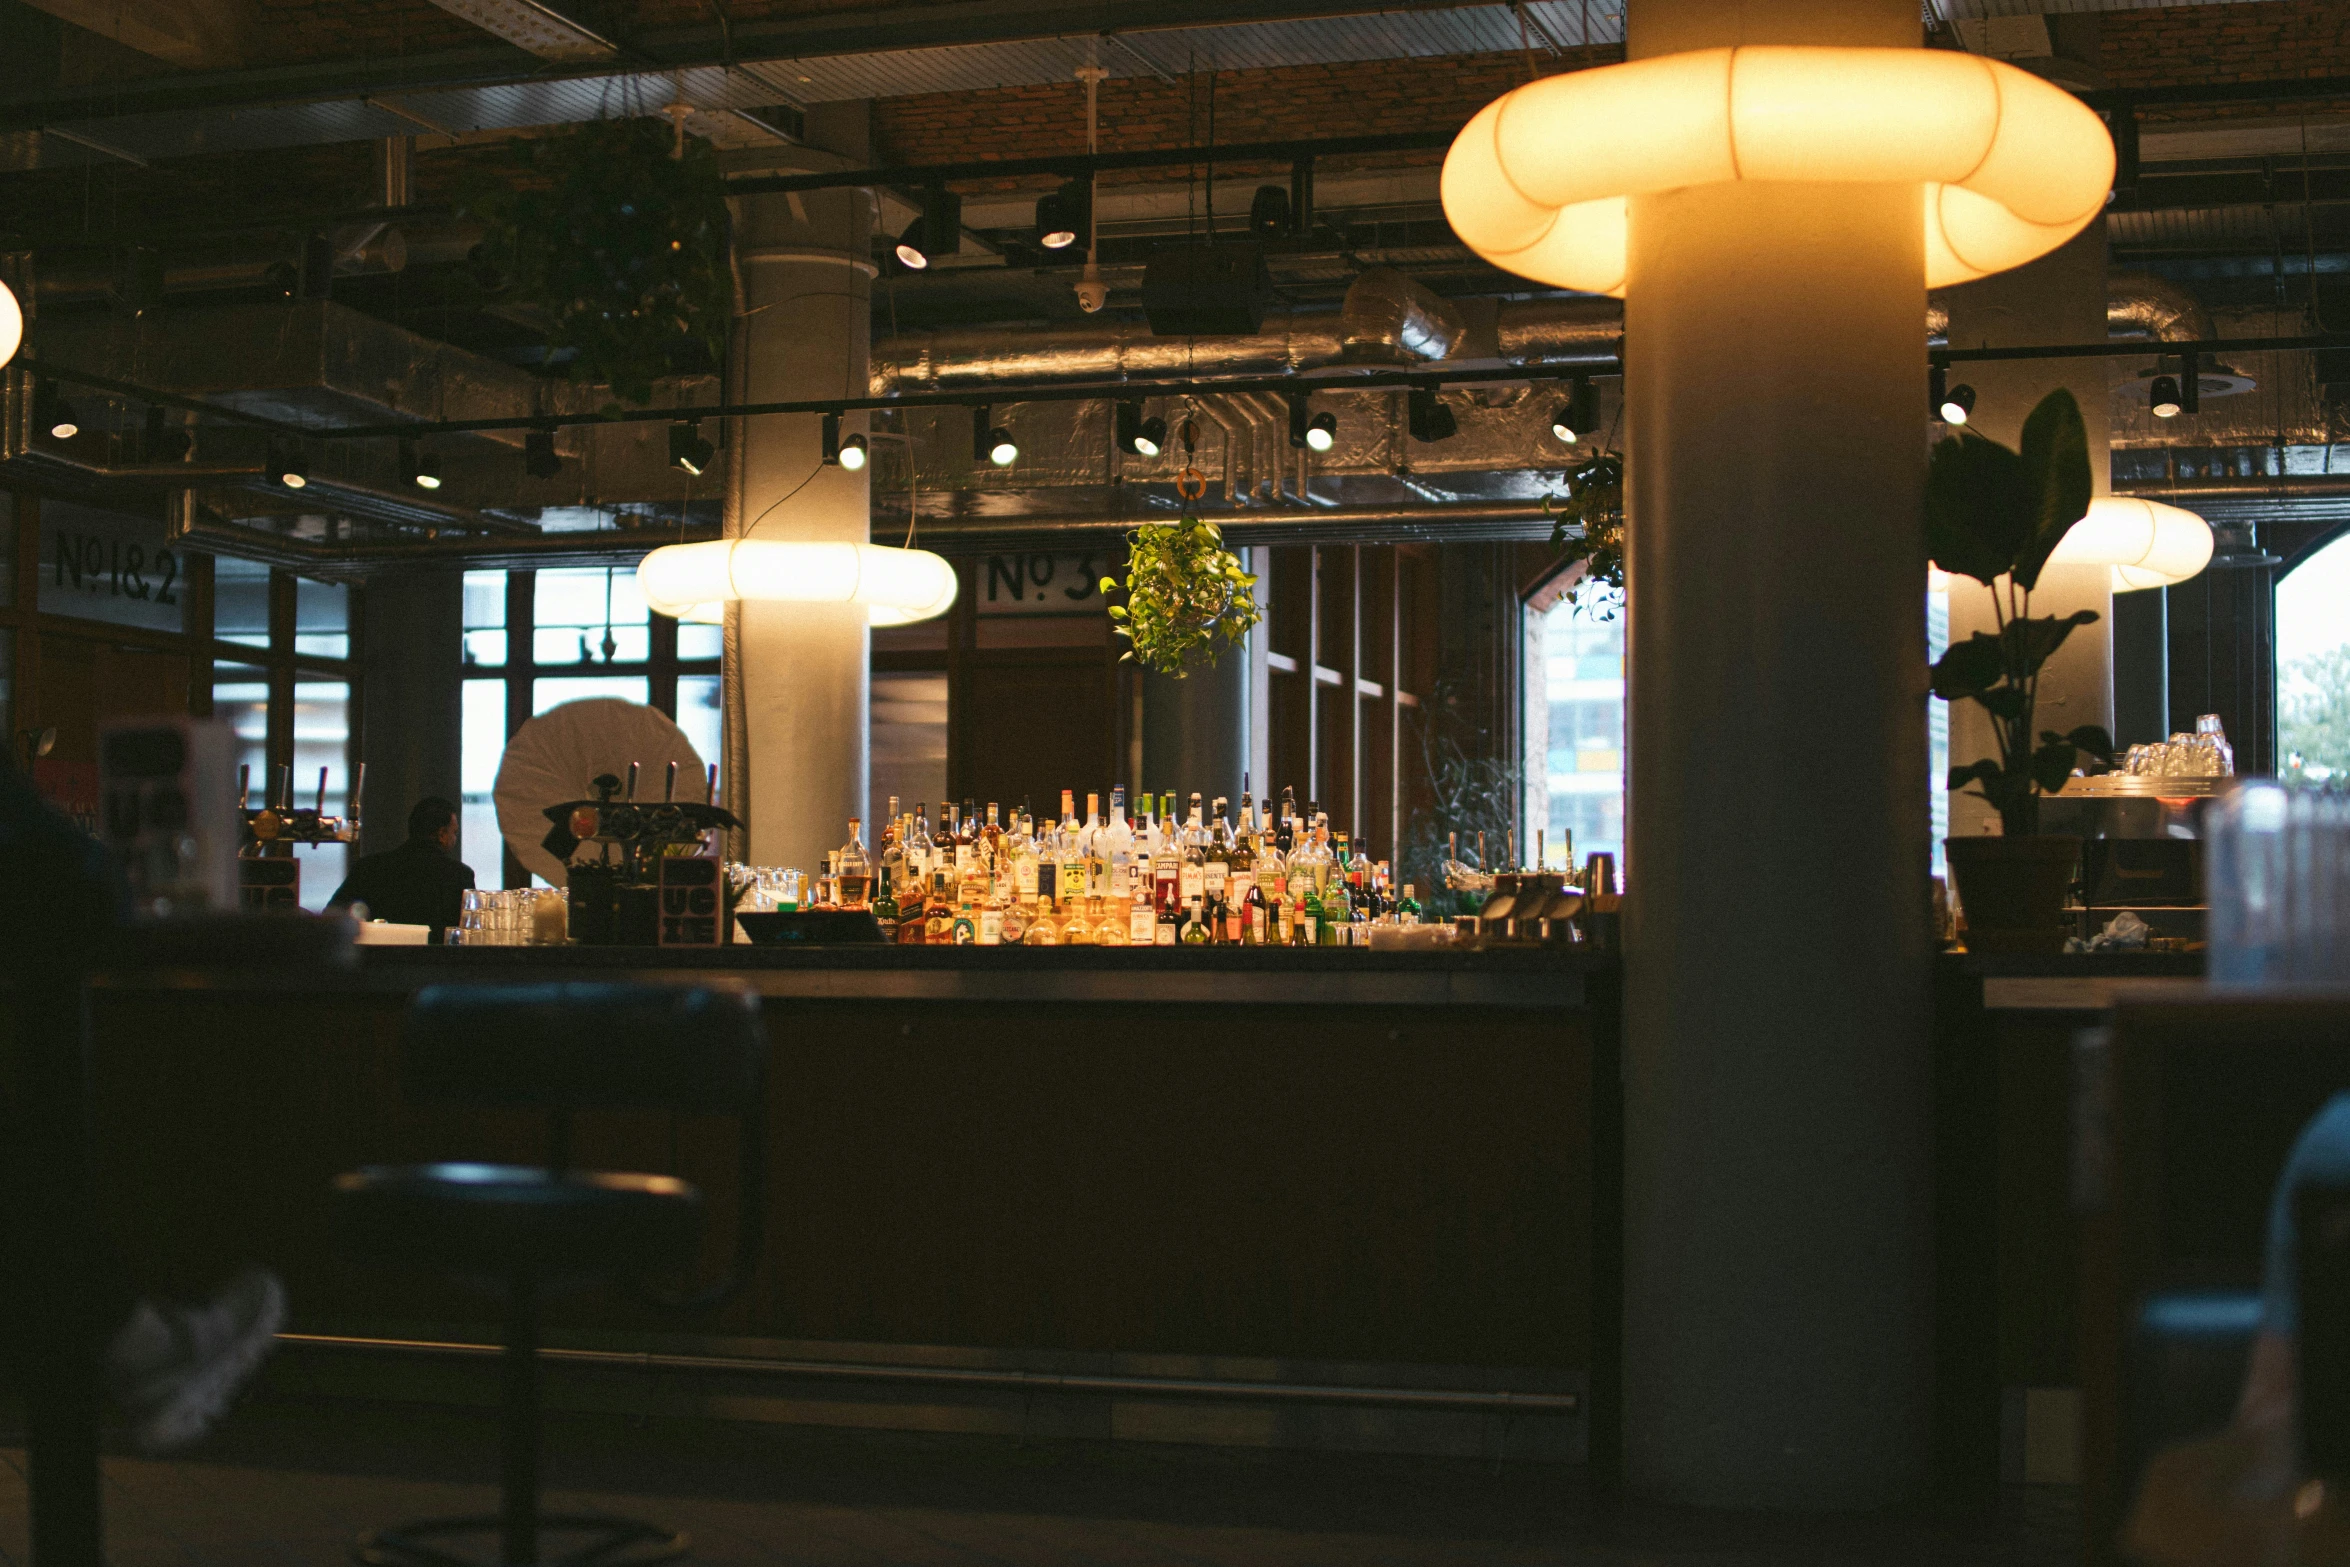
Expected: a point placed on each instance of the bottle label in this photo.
(1025, 878)
(1047, 878)
(1313, 931)
(1163, 933)
(1256, 924)
(1239, 885)
(1215, 876)
(991, 927)
(1142, 926)
(1121, 884)
(1193, 883)
(1300, 883)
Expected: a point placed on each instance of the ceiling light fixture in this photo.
(419, 467)
(1062, 216)
(1958, 405)
(897, 587)
(839, 453)
(2162, 399)
(937, 232)
(991, 443)
(2012, 166)
(2148, 544)
(1579, 415)
(687, 447)
(289, 466)
(51, 412)
(1428, 416)
(538, 455)
(1268, 214)
(1138, 435)
(11, 324)
(1318, 433)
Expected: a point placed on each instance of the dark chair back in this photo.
(564, 1047)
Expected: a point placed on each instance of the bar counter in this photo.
(1393, 1158)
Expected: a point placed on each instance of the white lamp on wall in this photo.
(897, 587)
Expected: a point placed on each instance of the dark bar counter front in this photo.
(1395, 1159)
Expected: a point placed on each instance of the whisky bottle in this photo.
(938, 923)
(854, 878)
(1142, 914)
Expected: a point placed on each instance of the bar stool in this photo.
(560, 1048)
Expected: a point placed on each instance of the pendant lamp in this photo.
(897, 587)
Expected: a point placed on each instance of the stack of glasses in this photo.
(2279, 868)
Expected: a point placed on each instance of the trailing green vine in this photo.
(1594, 502)
(618, 230)
(1186, 595)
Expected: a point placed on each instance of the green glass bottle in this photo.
(1310, 927)
(885, 903)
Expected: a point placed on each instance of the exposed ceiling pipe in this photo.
(2137, 304)
(1388, 319)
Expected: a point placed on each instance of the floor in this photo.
(291, 1481)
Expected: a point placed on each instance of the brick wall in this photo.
(2226, 43)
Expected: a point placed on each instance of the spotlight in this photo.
(289, 466)
(1428, 417)
(1958, 405)
(1143, 437)
(419, 468)
(937, 232)
(2163, 399)
(1579, 415)
(687, 448)
(538, 455)
(849, 454)
(1268, 213)
(991, 442)
(51, 412)
(1063, 217)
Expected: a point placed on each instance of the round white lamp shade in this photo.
(897, 587)
(2148, 544)
(2011, 166)
(11, 324)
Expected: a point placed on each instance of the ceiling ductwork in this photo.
(2137, 304)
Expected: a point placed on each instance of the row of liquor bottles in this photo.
(1279, 878)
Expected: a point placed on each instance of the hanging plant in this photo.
(617, 229)
(1594, 504)
(1186, 595)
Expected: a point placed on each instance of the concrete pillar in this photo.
(1195, 731)
(804, 271)
(2058, 299)
(1778, 1301)
(411, 659)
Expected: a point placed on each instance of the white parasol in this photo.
(555, 757)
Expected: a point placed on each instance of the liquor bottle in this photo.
(1309, 916)
(1257, 926)
(1166, 880)
(1112, 923)
(1077, 925)
(966, 838)
(1359, 918)
(1286, 827)
(1142, 914)
(1044, 929)
(1407, 907)
(1242, 867)
(1337, 910)
(854, 874)
(1069, 849)
(1023, 851)
(991, 916)
(1192, 876)
(1216, 856)
(889, 849)
(918, 847)
(1097, 862)
(938, 922)
(1284, 921)
(1117, 849)
(991, 842)
(885, 900)
(1195, 924)
(1013, 930)
(965, 930)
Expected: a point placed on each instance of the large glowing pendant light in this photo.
(2148, 544)
(897, 587)
(11, 324)
(2012, 167)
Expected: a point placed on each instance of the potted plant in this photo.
(1187, 595)
(1996, 515)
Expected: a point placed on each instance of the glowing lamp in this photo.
(2148, 544)
(1539, 182)
(897, 587)
(11, 324)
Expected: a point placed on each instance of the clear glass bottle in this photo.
(1192, 874)
(1112, 924)
(1077, 924)
(1117, 849)
(1014, 929)
(1044, 928)
(853, 869)
(1142, 914)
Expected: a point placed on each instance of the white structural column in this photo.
(1778, 1251)
(2059, 298)
(805, 277)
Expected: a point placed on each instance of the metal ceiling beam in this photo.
(846, 31)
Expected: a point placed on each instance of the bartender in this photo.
(421, 881)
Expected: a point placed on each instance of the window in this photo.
(2313, 666)
(322, 619)
(322, 777)
(554, 691)
(485, 618)
(240, 698)
(481, 742)
(1575, 728)
(240, 601)
(590, 616)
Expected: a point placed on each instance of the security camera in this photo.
(1092, 292)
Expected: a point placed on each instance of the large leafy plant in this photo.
(1186, 595)
(1996, 515)
(616, 229)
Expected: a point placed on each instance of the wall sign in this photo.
(1043, 584)
(103, 565)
